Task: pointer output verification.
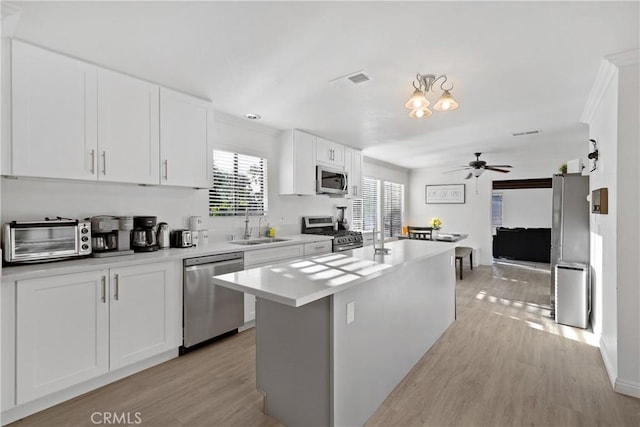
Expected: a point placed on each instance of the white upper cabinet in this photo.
(128, 129)
(329, 153)
(297, 163)
(353, 167)
(185, 133)
(54, 107)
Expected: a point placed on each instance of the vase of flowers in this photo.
(435, 223)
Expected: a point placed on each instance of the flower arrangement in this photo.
(436, 223)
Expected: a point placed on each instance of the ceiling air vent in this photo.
(529, 132)
(359, 77)
(354, 78)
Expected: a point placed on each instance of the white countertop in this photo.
(300, 282)
(31, 271)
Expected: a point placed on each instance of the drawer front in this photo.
(317, 248)
(272, 255)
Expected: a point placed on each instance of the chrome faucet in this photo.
(247, 231)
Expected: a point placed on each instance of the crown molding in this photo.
(608, 67)
(10, 16)
(605, 74)
(622, 59)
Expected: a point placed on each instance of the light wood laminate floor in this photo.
(503, 362)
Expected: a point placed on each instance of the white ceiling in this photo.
(515, 66)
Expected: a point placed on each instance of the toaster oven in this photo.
(41, 241)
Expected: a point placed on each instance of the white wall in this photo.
(474, 216)
(615, 237)
(526, 207)
(24, 199)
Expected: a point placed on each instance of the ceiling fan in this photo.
(478, 166)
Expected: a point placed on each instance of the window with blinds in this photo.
(365, 210)
(393, 208)
(496, 210)
(239, 183)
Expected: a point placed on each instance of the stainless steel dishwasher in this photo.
(210, 310)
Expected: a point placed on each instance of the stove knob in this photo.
(85, 247)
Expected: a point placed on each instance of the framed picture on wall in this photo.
(450, 193)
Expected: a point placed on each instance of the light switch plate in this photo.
(351, 312)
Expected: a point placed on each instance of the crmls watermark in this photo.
(116, 417)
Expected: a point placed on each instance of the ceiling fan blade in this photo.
(499, 166)
(457, 170)
(469, 176)
(496, 169)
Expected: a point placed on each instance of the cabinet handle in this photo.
(104, 163)
(93, 162)
(166, 170)
(104, 289)
(116, 292)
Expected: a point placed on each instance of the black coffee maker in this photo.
(143, 236)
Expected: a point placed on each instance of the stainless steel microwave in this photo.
(331, 181)
(40, 241)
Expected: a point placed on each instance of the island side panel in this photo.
(398, 317)
(293, 361)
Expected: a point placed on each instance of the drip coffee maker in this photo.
(143, 236)
(108, 237)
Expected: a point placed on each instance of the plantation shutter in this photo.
(393, 208)
(239, 184)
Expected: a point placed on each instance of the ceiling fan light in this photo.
(446, 102)
(420, 113)
(417, 100)
(477, 172)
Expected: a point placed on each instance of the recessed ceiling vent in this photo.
(529, 132)
(355, 78)
(359, 77)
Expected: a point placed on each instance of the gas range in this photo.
(343, 240)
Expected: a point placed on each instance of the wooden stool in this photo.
(461, 252)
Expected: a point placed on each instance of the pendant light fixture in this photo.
(418, 101)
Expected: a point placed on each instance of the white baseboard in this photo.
(608, 365)
(17, 412)
(629, 388)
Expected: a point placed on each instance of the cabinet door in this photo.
(330, 153)
(54, 115)
(317, 248)
(185, 133)
(297, 163)
(128, 129)
(144, 318)
(353, 167)
(62, 332)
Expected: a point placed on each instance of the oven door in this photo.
(35, 243)
(331, 181)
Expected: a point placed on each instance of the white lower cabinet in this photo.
(62, 332)
(74, 327)
(144, 312)
(317, 248)
(260, 258)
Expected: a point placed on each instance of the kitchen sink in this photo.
(258, 241)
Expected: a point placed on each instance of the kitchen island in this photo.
(336, 333)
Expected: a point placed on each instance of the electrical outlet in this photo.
(351, 312)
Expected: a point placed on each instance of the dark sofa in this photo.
(524, 244)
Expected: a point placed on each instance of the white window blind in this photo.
(496, 210)
(393, 208)
(239, 183)
(365, 210)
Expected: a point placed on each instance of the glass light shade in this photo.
(446, 102)
(477, 172)
(421, 113)
(417, 101)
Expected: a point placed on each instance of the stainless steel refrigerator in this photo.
(569, 223)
